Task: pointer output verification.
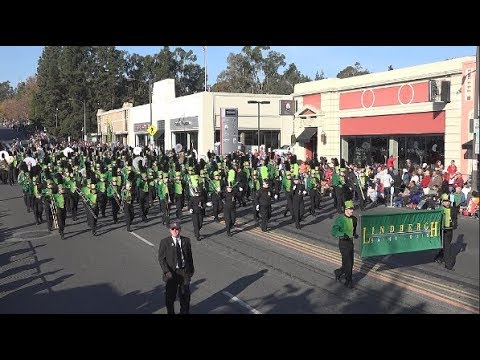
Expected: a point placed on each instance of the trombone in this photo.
(210, 181)
(116, 196)
(85, 202)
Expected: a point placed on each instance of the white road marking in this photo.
(141, 238)
(241, 302)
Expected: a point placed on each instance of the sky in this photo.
(17, 63)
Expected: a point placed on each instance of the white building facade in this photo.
(194, 120)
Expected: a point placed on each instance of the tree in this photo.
(351, 71)
(257, 70)
(108, 82)
(6, 91)
(50, 86)
(189, 76)
(320, 76)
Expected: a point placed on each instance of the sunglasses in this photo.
(174, 229)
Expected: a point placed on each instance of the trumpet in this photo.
(85, 202)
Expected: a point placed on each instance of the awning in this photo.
(468, 145)
(307, 134)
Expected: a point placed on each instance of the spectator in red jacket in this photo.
(452, 168)
(391, 160)
(458, 180)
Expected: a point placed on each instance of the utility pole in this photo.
(476, 117)
(205, 64)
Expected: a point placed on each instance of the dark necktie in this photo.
(179, 254)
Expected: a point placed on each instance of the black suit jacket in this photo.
(167, 255)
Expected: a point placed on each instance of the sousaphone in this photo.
(135, 162)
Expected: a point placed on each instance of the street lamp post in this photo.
(84, 117)
(56, 118)
(258, 112)
(150, 90)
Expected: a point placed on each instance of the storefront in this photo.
(419, 137)
(142, 138)
(184, 131)
(419, 113)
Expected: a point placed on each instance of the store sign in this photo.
(141, 127)
(287, 107)
(228, 130)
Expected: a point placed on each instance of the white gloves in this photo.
(257, 207)
(275, 196)
(240, 189)
(304, 192)
(294, 187)
(191, 211)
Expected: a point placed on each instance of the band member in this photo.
(71, 198)
(102, 194)
(163, 196)
(314, 189)
(91, 208)
(47, 194)
(287, 184)
(449, 223)
(179, 186)
(24, 182)
(143, 191)
(196, 205)
(264, 199)
(241, 179)
(37, 199)
(345, 229)
(61, 213)
(338, 180)
(127, 200)
(229, 208)
(298, 191)
(255, 188)
(215, 187)
(113, 196)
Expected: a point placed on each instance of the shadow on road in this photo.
(219, 299)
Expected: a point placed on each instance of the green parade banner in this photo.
(383, 234)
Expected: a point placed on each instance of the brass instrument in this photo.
(210, 181)
(360, 186)
(117, 198)
(85, 202)
(190, 187)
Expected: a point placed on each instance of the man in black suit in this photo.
(175, 258)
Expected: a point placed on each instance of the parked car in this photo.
(283, 150)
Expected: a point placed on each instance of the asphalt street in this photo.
(282, 271)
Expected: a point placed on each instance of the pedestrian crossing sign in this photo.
(152, 129)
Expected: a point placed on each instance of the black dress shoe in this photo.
(349, 284)
(338, 275)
